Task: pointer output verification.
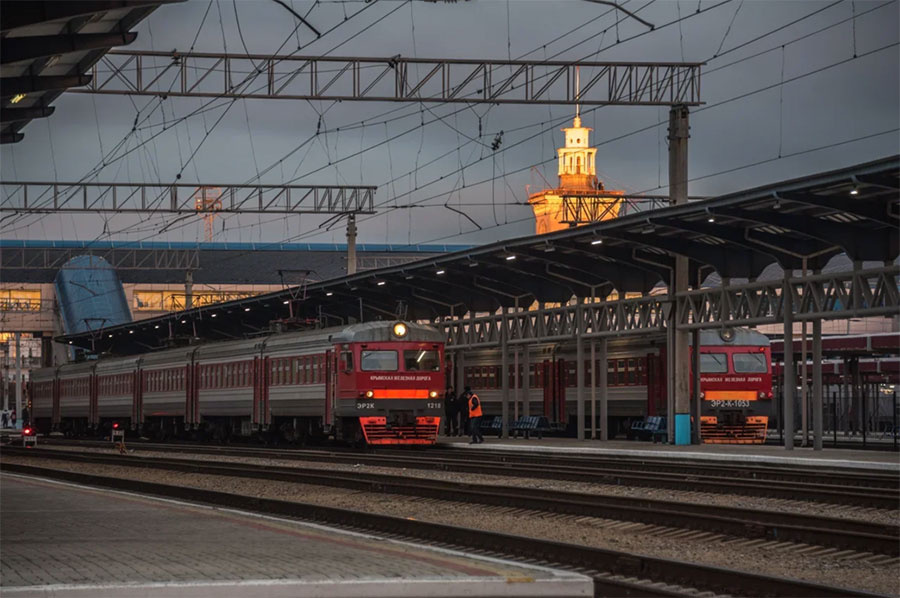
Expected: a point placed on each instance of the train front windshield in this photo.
(378, 361)
(750, 363)
(422, 360)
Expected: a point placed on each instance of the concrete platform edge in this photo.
(269, 588)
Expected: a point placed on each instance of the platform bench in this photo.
(653, 428)
(528, 424)
(492, 425)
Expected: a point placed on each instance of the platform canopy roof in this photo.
(46, 46)
(852, 210)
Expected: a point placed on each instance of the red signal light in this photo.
(27, 431)
(116, 426)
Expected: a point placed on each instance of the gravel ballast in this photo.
(800, 507)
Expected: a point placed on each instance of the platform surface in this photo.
(757, 454)
(61, 539)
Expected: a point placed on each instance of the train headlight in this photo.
(702, 395)
(400, 330)
(762, 395)
(370, 394)
(433, 394)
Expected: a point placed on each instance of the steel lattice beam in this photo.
(121, 259)
(850, 294)
(396, 79)
(182, 198)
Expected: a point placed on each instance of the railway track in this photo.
(851, 488)
(843, 534)
(614, 572)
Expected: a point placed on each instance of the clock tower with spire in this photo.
(584, 194)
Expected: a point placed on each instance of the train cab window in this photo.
(750, 363)
(378, 361)
(421, 360)
(346, 361)
(713, 363)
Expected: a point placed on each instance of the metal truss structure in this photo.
(182, 198)
(14, 258)
(591, 320)
(369, 262)
(851, 294)
(394, 79)
(584, 209)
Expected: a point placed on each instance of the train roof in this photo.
(382, 331)
(732, 337)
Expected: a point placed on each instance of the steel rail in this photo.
(606, 566)
(609, 472)
(749, 523)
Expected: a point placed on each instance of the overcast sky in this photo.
(829, 98)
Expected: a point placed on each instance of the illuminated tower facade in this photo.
(580, 197)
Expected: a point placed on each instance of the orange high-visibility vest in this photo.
(474, 411)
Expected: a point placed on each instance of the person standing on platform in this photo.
(462, 408)
(4, 420)
(474, 416)
(451, 412)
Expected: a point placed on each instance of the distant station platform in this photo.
(755, 454)
(62, 539)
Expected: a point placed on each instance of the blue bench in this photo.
(492, 425)
(529, 424)
(652, 428)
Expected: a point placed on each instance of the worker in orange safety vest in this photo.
(474, 417)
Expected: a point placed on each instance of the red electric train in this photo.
(376, 383)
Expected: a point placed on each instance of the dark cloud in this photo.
(855, 98)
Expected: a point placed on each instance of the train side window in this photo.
(713, 363)
(632, 372)
(347, 361)
(620, 372)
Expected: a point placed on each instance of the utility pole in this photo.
(351, 243)
(679, 132)
(189, 289)
(19, 380)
